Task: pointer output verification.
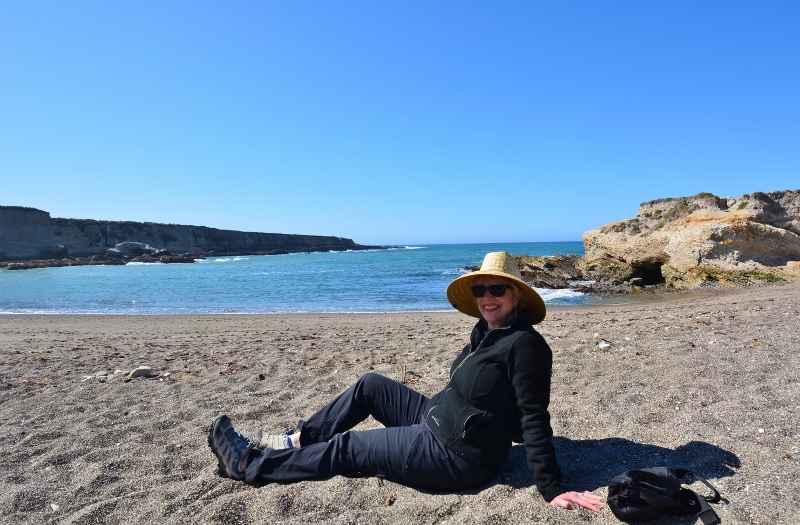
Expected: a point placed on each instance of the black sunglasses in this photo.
(497, 290)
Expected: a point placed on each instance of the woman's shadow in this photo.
(588, 464)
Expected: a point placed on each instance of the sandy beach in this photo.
(709, 382)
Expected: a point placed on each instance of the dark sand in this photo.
(707, 382)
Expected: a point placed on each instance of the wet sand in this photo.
(709, 382)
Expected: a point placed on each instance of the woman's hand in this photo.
(568, 500)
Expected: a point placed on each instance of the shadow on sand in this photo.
(588, 464)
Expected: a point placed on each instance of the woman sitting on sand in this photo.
(499, 391)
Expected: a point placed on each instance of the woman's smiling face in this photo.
(495, 309)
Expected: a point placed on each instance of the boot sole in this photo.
(210, 438)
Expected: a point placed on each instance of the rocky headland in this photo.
(30, 238)
(682, 244)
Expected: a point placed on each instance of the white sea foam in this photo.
(561, 294)
(224, 259)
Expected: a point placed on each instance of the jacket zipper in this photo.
(434, 406)
(466, 420)
(476, 350)
(461, 363)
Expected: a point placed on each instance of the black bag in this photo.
(646, 494)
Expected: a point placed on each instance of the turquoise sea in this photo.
(411, 278)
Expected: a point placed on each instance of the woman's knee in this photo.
(371, 382)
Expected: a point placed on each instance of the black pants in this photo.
(405, 451)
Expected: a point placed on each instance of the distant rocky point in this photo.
(30, 238)
(683, 243)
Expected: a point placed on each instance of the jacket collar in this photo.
(519, 322)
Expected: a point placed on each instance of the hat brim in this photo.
(459, 294)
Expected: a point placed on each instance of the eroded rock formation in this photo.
(689, 242)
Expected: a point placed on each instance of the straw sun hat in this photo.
(496, 264)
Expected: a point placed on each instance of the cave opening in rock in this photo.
(650, 275)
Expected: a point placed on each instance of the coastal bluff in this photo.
(30, 238)
(27, 233)
(683, 243)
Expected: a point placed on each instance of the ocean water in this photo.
(412, 278)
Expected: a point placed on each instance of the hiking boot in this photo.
(274, 441)
(229, 446)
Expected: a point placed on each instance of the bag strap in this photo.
(706, 514)
(682, 472)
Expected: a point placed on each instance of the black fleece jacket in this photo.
(499, 391)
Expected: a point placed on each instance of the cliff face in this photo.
(84, 238)
(688, 241)
(26, 233)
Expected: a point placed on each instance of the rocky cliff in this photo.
(690, 242)
(84, 238)
(27, 234)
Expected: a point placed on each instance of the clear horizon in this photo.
(445, 123)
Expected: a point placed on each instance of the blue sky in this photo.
(394, 122)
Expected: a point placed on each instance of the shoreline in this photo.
(630, 299)
(710, 383)
(166, 258)
(606, 300)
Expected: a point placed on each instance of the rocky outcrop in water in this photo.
(29, 238)
(558, 271)
(692, 242)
